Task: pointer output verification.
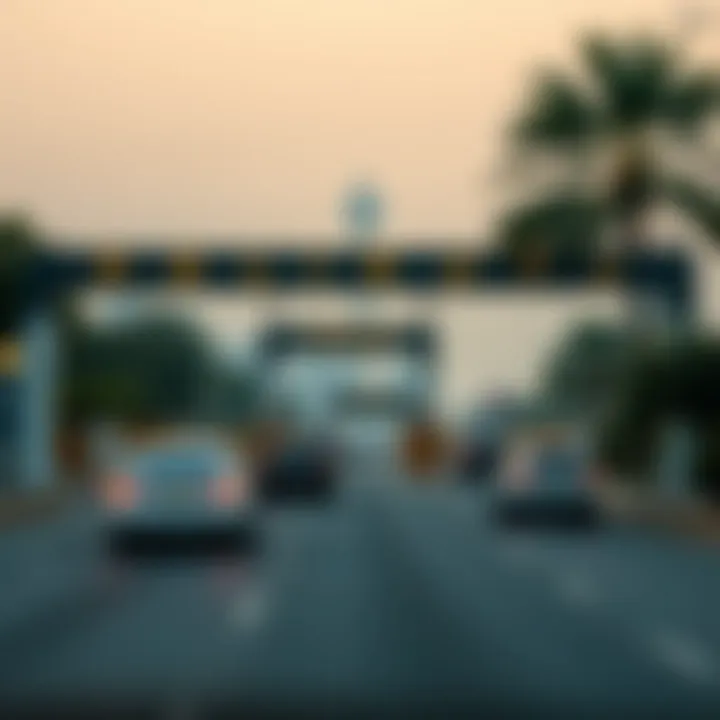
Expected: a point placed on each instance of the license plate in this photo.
(181, 494)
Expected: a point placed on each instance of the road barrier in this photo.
(424, 451)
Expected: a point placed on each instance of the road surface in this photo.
(393, 598)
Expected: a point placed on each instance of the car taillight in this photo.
(120, 492)
(227, 491)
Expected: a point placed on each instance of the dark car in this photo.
(300, 469)
(483, 435)
(477, 460)
(477, 452)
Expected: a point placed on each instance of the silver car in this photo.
(548, 480)
(178, 491)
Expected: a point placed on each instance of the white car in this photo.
(547, 479)
(177, 491)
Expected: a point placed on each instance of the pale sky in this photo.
(248, 117)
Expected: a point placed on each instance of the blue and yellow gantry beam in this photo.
(405, 270)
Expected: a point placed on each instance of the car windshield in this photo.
(196, 460)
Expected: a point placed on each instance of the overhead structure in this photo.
(416, 342)
(665, 273)
(28, 361)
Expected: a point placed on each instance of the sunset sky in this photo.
(192, 117)
(248, 116)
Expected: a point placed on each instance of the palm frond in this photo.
(559, 222)
(560, 115)
(603, 60)
(631, 78)
(691, 100)
(698, 203)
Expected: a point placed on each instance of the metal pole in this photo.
(38, 411)
(11, 387)
(676, 460)
(361, 213)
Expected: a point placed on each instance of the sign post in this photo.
(10, 409)
(362, 214)
(38, 404)
(676, 460)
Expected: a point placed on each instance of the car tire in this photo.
(589, 518)
(121, 543)
(326, 489)
(248, 538)
(504, 515)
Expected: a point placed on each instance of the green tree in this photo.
(606, 146)
(586, 369)
(232, 392)
(668, 381)
(629, 431)
(154, 369)
(562, 223)
(18, 247)
(159, 369)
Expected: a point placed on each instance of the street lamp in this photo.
(362, 213)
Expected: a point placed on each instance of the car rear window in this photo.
(186, 460)
(558, 465)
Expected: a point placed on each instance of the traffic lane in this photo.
(56, 580)
(46, 566)
(392, 597)
(665, 584)
(360, 619)
(642, 584)
(562, 647)
(338, 631)
(162, 627)
(333, 625)
(66, 587)
(163, 634)
(409, 604)
(37, 544)
(57, 575)
(184, 631)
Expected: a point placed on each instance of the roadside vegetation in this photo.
(592, 154)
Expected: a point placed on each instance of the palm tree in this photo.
(612, 143)
(18, 246)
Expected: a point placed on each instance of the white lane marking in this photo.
(181, 710)
(520, 553)
(249, 612)
(579, 588)
(685, 656)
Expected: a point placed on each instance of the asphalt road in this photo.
(394, 598)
